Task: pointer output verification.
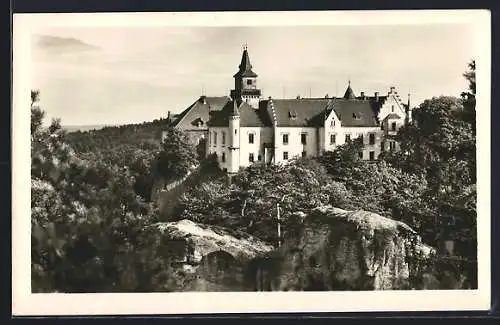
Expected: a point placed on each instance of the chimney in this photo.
(203, 99)
(168, 115)
(376, 96)
(362, 95)
(298, 97)
(391, 90)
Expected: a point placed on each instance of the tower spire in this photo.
(349, 94)
(245, 82)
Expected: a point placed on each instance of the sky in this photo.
(118, 75)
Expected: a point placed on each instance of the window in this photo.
(303, 138)
(304, 153)
(372, 138)
(249, 81)
(372, 155)
(347, 137)
(223, 138)
(250, 137)
(392, 108)
(236, 131)
(360, 155)
(215, 138)
(259, 157)
(392, 145)
(285, 138)
(333, 123)
(332, 138)
(250, 158)
(393, 126)
(361, 138)
(223, 157)
(285, 155)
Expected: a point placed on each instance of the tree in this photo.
(440, 144)
(340, 162)
(249, 203)
(469, 96)
(177, 155)
(90, 230)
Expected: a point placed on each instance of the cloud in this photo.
(62, 44)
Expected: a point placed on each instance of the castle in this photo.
(244, 128)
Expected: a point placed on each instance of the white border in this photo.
(25, 303)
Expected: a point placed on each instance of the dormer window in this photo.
(249, 82)
(292, 114)
(355, 116)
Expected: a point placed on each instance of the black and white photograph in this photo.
(327, 153)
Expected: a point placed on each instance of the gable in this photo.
(299, 112)
(355, 113)
(196, 116)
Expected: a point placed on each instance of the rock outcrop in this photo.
(344, 250)
(332, 249)
(211, 258)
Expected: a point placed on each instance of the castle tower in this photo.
(245, 82)
(234, 139)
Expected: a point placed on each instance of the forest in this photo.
(91, 194)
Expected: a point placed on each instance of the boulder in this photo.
(337, 249)
(211, 258)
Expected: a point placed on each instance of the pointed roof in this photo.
(245, 66)
(349, 94)
(199, 111)
(235, 111)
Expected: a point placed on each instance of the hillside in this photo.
(109, 137)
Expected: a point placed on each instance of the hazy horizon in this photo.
(113, 76)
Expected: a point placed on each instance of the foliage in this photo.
(440, 145)
(177, 155)
(134, 147)
(249, 202)
(89, 227)
(469, 96)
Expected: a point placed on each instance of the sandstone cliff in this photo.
(344, 250)
(211, 258)
(332, 249)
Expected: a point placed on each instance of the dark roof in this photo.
(355, 112)
(376, 102)
(300, 112)
(349, 93)
(235, 111)
(245, 66)
(310, 112)
(392, 115)
(198, 112)
(249, 116)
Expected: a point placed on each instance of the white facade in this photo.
(295, 142)
(239, 145)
